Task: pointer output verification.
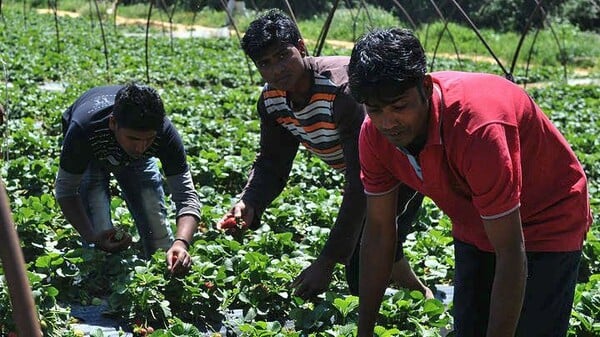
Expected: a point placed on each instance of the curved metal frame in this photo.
(437, 44)
(239, 36)
(408, 17)
(146, 50)
(105, 45)
(325, 30)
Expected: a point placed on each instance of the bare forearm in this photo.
(376, 259)
(75, 213)
(24, 312)
(373, 284)
(186, 227)
(507, 294)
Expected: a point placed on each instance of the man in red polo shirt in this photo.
(484, 152)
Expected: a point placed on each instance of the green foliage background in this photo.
(210, 94)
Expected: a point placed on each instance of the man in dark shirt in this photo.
(123, 130)
(306, 101)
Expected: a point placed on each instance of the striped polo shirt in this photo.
(314, 125)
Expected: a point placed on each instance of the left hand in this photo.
(109, 242)
(315, 279)
(179, 260)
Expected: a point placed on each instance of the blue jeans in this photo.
(551, 280)
(141, 186)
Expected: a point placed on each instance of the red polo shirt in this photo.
(489, 150)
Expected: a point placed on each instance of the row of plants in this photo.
(240, 284)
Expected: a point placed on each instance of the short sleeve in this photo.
(492, 169)
(374, 173)
(76, 152)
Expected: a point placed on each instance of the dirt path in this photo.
(177, 27)
(182, 30)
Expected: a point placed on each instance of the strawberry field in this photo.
(209, 90)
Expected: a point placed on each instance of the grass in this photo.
(565, 45)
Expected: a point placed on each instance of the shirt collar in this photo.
(434, 130)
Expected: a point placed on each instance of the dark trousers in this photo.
(551, 280)
(407, 214)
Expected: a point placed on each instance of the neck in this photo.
(417, 145)
(302, 92)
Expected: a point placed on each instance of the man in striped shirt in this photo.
(306, 101)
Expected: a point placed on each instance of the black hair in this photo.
(385, 63)
(138, 107)
(272, 28)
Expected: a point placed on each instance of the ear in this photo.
(112, 123)
(427, 86)
(301, 47)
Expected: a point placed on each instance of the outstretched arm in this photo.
(271, 169)
(376, 258)
(73, 210)
(178, 257)
(348, 225)
(69, 200)
(506, 235)
(187, 205)
(268, 176)
(349, 222)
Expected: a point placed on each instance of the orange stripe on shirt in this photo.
(322, 151)
(322, 96)
(338, 166)
(319, 125)
(274, 93)
(288, 120)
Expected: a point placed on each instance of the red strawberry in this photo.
(232, 222)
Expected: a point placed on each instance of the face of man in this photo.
(133, 142)
(403, 118)
(282, 66)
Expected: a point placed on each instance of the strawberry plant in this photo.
(584, 320)
(53, 317)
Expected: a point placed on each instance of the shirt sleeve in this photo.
(76, 152)
(184, 194)
(492, 169)
(271, 169)
(179, 179)
(375, 176)
(346, 230)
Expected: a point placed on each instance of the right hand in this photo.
(239, 217)
(179, 260)
(108, 242)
